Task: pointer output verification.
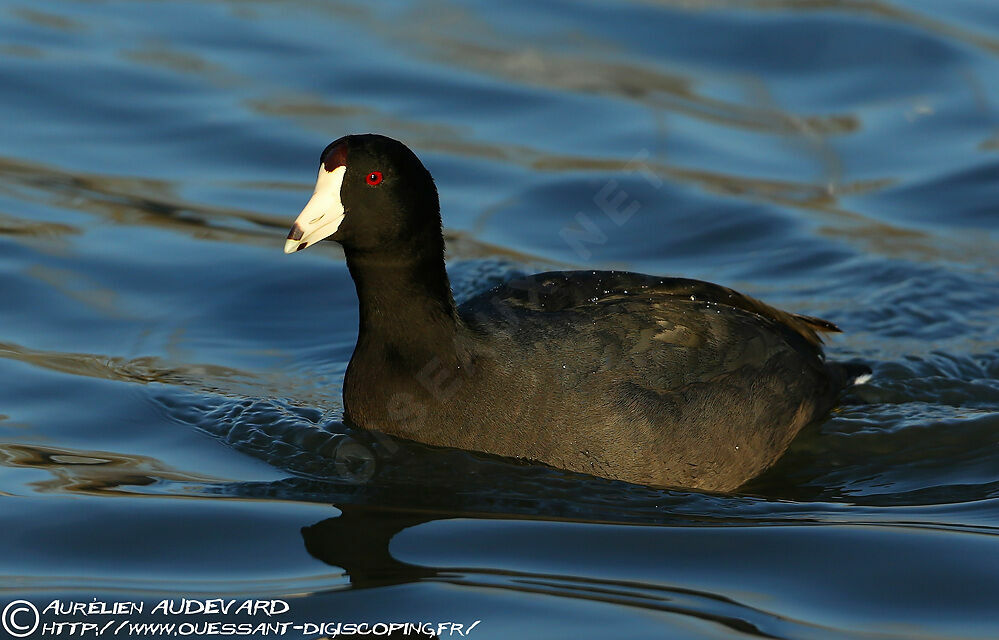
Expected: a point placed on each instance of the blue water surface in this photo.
(170, 380)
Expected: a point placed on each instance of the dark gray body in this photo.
(659, 381)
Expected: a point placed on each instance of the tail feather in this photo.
(818, 324)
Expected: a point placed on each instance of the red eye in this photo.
(374, 178)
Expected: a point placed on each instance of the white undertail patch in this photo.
(863, 378)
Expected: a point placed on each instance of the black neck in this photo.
(405, 298)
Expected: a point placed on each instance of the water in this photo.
(170, 380)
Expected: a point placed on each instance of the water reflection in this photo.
(890, 12)
(358, 541)
(48, 19)
(205, 377)
(76, 471)
(133, 201)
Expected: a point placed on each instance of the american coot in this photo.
(659, 381)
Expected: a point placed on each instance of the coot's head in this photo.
(372, 194)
